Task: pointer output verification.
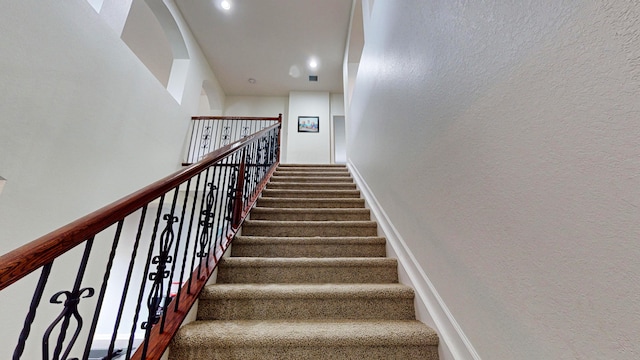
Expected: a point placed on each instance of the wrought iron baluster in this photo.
(35, 301)
(228, 172)
(215, 213)
(195, 246)
(198, 148)
(199, 226)
(103, 289)
(167, 296)
(205, 141)
(226, 135)
(218, 209)
(191, 142)
(207, 221)
(175, 255)
(70, 310)
(231, 191)
(155, 300)
(127, 282)
(143, 283)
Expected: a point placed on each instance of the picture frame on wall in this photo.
(309, 124)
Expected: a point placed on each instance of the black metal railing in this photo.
(208, 133)
(142, 260)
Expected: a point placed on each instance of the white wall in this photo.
(144, 36)
(197, 75)
(501, 139)
(82, 123)
(338, 139)
(309, 148)
(269, 106)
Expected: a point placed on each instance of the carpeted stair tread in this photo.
(313, 179)
(269, 246)
(310, 203)
(306, 291)
(320, 166)
(309, 228)
(315, 194)
(307, 262)
(306, 301)
(311, 214)
(316, 240)
(306, 333)
(307, 270)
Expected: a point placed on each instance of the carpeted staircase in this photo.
(307, 279)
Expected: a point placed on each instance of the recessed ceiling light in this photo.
(313, 63)
(225, 4)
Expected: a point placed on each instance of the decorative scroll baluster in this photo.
(206, 140)
(225, 137)
(207, 221)
(245, 131)
(155, 299)
(70, 310)
(231, 192)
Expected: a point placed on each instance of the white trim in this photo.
(450, 333)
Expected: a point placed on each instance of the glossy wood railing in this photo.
(207, 202)
(208, 133)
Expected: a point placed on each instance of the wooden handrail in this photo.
(20, 262)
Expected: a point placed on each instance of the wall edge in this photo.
(452, 338)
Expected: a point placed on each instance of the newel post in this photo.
(238, 203)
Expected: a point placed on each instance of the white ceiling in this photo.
(267, 39)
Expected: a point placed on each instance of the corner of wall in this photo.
(430, 307)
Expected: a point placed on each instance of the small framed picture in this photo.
(310, 124)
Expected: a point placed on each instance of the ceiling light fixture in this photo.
(252, 81)
(225, 4)
(313, 63)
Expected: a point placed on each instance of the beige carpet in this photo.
(307, 279)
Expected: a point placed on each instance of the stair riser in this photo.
(313, 167)
(310, 186)
(309, 203)
(310, 216)
(306, 274)
(312, 173)
(308, 230)
(295, 251)
(312, 194)
(320, 352)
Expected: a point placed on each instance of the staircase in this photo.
(307, 279)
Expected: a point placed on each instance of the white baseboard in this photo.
(454, 344)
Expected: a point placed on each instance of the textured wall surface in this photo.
(501, 138)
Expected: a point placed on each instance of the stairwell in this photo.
(307, 279)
